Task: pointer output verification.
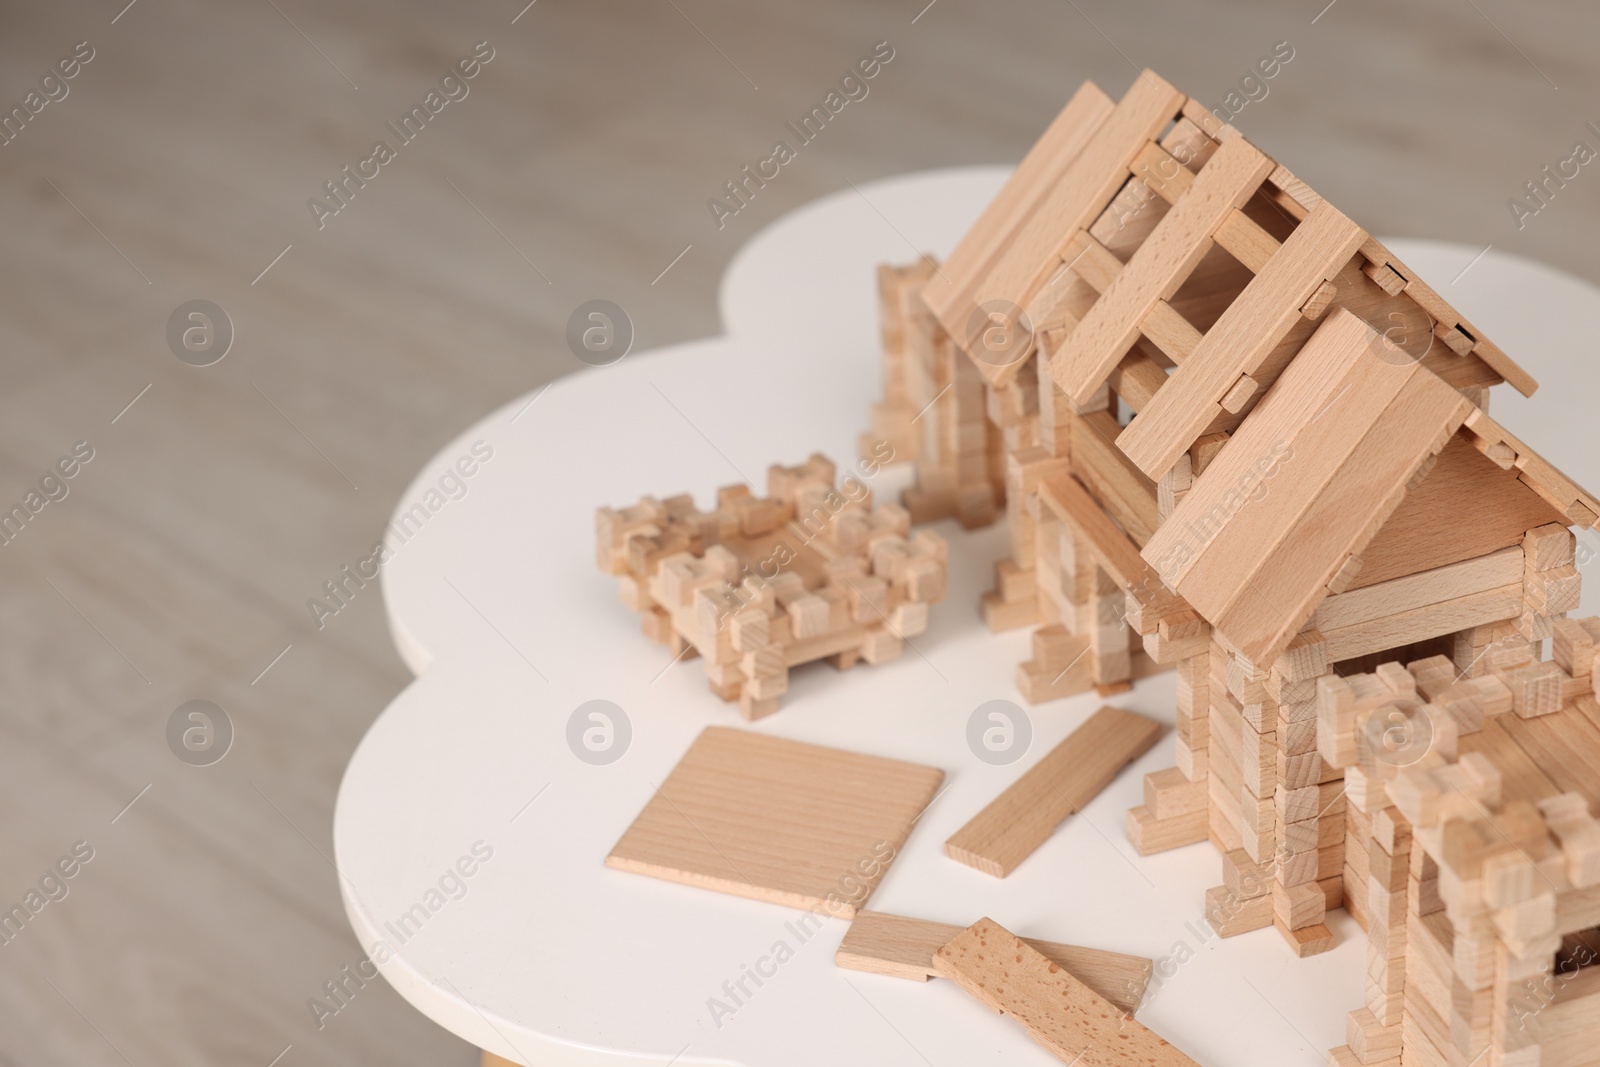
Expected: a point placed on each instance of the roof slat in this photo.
(1244, 336)
(1083, 190)
(1157, 270)
(1033, 180)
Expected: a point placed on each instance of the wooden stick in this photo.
(1019, 820)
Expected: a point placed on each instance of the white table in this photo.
(550, 958)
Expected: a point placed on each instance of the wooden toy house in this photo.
(1232, 435)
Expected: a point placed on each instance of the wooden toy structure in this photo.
(758, 586)
(1472, 857)
(1232, 435)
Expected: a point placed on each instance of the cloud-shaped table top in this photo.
(544, 955)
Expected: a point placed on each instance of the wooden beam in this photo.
(1066, 497)
(1419, 624)
(1122, 489)
(1436, 586)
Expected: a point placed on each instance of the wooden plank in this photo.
(1158, 268)
(1137, 378)
(1060, 1012)
(1241, 235)
(1121, 488)
(1419, 624)
(1066, 497)
(1082, 192)
(1245, 335)
(1434, 586)
(902, 947)
(1021, 195)
(1020, 819)
(777, 820)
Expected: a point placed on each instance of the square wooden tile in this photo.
(778, 820)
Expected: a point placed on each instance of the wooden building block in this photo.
(777, 820)
(1019, 820)
(902, 947)
(1149, 833)
(1230, 914)
(1579, 834)
(1059, 1011)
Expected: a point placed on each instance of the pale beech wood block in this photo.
(1482, 574)
(1150, 834)
(1338, 482)
(1122, 489)
(1058, 1010)
(777, 820)
(1020, 819)
(902, 947)
(1432, 620)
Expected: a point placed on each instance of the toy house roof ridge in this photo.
(1157, 147)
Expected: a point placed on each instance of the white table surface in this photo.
(549, 958)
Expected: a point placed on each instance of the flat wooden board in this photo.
(1365, 603)
(777, 820)
(1060, 1012)
(1020, 819)
(903, 947)
(1564, 745)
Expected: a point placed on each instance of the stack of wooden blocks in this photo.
(759, 585)
(933, 409)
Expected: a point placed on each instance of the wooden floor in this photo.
(178, 567)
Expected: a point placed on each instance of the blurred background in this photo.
(176, 163)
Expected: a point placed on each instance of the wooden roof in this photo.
(1303, 486)
(1111, 300)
